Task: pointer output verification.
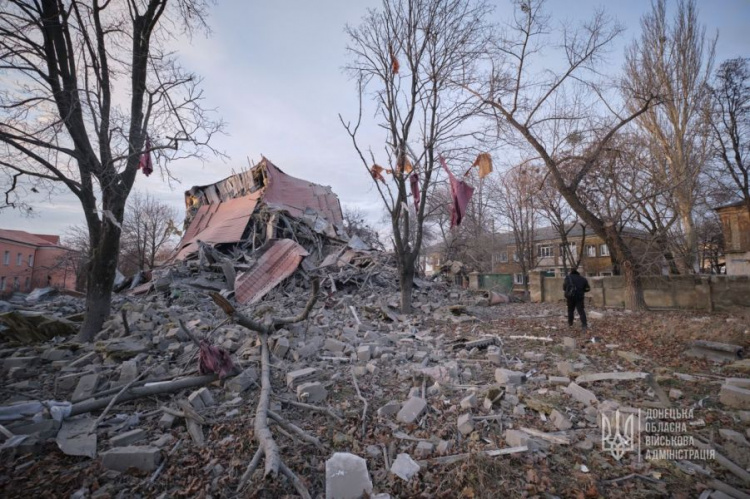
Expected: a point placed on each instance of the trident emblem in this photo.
(623, 439)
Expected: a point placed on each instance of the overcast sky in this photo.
(273, 71)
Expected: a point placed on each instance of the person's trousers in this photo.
(576, 304)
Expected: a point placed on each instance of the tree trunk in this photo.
(634, 290)
(691, 241)
(406, 282)
(100, 278)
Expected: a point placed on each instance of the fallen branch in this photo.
(727, 489)
(460, 457)
(296, 430)
(144, 391)
(309, 407)
(114, 399)
(724, 462)
(527, 337)
(267, 447)
(364, 410)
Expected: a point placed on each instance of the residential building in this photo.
(548, 253)
(735, 225)
(34, 261)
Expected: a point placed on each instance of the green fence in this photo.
(496, 282)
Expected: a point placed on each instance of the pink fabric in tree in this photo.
(145, 163)
(414, 181)
(461, 193)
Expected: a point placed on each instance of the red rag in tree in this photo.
(461, 193)
(414, 181)
(214, 360)
(145, 163)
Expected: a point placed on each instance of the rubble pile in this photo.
(365, 401)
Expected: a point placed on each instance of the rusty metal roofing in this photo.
(296, 195)
(278, 189)
(223, 222)
(278, 259)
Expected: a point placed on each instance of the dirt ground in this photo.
(579, 469)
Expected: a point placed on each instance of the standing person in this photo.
(574, 287)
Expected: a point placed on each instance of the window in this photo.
(515, 256)
(590, 250)
(27, 284)
(603, 250)
(2, 283)
(15, 284)
(545, 250)
(518, 278)
(572, 251)
(6, 258)
(19, 259)
(31, 260)
(504, 257)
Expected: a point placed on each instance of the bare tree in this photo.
(560, 116)
(408, 54)
(554, 209)
(147, 228)
(674, 61)
(517, 204)
(730, 123)
(86, 84)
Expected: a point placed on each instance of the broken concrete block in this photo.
(424, 450)
(519, 410)
(389, 409)
(12, 362)
(205, 395)
(469, 402)
(128, 372)
(581, 394)
(84, 360)
(167, 421)
(593, 314)
(335, 346)
(465, 424)
(127, 438)
(74, 438)
(412, 409)
(86, 387)
(311, 393)
(508, 377)
(55, 354)
(741, 382)
(419, 356)
(44, 429)
(163, 441)
(569, 342)
(404, 467)
(347, 477)
(415, 391)
(734, 436)
(559, 380)
(734, 396)
(296, 378)
(281, 348)
(444, 447)
(565, 367)
(196, 401)
(144, 458)
(560, 420)
(243, 381)
(364, 353)
(516, 438)
(495, 355)
(675, 394)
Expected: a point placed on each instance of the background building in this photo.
(34, 261)
(735, 224)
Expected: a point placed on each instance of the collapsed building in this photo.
(255, 206)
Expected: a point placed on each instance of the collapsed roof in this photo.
(219, 213)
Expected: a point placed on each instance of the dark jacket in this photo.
(581, 284)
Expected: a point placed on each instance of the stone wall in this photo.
(716, 292)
